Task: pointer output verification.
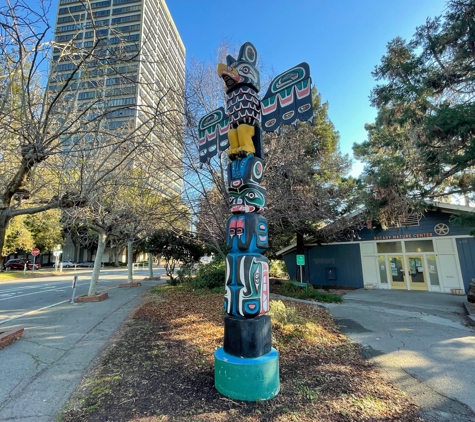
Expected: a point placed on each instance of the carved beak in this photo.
(227, 73)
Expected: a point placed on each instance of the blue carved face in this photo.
(247, 198)
(253, 299)
(242, 71)
(247, 286)
(247, 233)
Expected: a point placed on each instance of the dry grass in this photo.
(161, 368)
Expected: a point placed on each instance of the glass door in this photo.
(396, 272)
(417, 272)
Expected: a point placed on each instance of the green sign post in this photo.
(301, 262)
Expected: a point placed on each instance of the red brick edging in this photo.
(9, 336)
(136, 284)
(96, 298)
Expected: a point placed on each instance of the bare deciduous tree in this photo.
(57, 150)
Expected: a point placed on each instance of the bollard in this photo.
(75, 280)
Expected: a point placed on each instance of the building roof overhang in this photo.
(431, 206)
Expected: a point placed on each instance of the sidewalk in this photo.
(421, 341)
(41, 371)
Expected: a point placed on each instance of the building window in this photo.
(433, 274)
(124, 1)
(125, 19)
(64, 10)
(389, 247)
(65, 19)
(419, 246)
(127, 9)
(100, 4)
(99, 13)
(86, 95)
(128, 28)
(97, 23)
(120, 102)
(382, 269)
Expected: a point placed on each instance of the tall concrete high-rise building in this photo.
(125, 60)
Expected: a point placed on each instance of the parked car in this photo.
(66, 264)
(87, 264)
(19, 264)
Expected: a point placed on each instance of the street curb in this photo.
(470, 313)
(135, 284)
(9, 336)
(310, 302)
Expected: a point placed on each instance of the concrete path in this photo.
(422, 343)
(39, 373)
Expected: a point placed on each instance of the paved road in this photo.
(39, 372)
(22, 296)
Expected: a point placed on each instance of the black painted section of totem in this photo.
(247, 338)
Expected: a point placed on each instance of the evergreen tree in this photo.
(422, 144)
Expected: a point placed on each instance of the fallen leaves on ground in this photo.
(161, 368)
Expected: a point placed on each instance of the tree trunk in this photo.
(116, 256)
(150, 265)
(4, 218)
(101, 245)
(130, 263)
(300, 251)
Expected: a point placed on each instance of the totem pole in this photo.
(247, 367)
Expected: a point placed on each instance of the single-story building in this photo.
(428, 253)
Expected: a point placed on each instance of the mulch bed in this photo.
(161, 368)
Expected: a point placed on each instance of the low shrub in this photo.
(278, 269)
(183, 275)
(210, 276)
(285, 315)
(300, 292)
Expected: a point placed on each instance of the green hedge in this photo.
(291, 290)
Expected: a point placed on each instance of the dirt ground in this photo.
(160, 367)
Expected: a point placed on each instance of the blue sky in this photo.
(342, 40)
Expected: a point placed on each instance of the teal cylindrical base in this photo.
(249, 379)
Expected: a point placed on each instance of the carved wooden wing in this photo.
(288, 99)
(213, 134)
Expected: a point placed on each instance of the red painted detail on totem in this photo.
(238, 208)
(303, 93)
(223, 129)
(287, 100)
(270, 108)
(265, 289)
(232, 228)
(240, 226)
(244, 208)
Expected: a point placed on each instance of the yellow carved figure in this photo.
(240, 141)
(245, 134)
(233, 142)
